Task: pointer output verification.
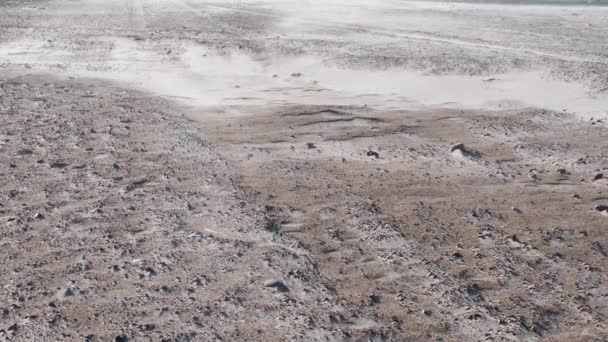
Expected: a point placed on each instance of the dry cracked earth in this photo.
(130, 216)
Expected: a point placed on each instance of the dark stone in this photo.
(24, 152)
(373, 154)
(277, 284)
(601, 207)
(458, 147)
(58, 165)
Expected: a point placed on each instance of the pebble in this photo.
(24, 152)
(373, 154)
(458, 256)
(458, 147)
(277, 284)
(598, 177)
(65, 293)
(58, 164)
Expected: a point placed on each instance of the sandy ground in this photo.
(181, 170)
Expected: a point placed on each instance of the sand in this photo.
(321, 171)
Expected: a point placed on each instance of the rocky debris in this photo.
(412, 226)
(596, 121)
(120, 224)
(159, 220)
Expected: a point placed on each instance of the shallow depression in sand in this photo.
(204, 78)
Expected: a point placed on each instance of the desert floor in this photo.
(189, 170)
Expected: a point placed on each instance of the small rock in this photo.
(373, 154)
(598, 177)
(603, 209)
(24, 152)
(563, 172)
(458, 256)
(39, 216)
(517, 210)
(311, 145)
(121, 338)
(148, 327)
(533, 175)
(458, 147)
(577, 196)
(65, 293)
(557, 257)
(277, 284)
(296, 74)
(58, 164)
(373, 300)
